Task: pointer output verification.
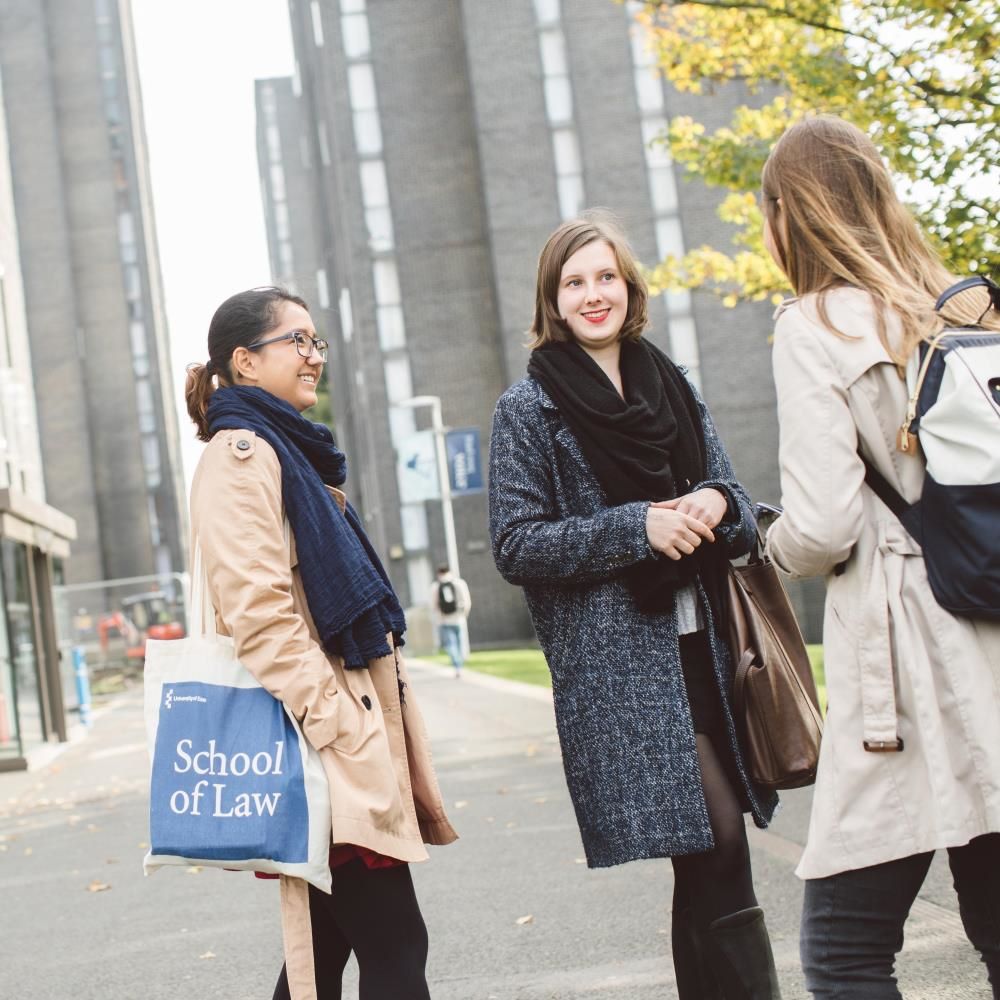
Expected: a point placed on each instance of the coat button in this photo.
(243, 444)
(366, 701)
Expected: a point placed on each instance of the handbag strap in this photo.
(202, 615)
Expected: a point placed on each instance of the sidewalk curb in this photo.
(532, 691)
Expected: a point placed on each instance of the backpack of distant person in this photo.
(954, 413)
(447, 598)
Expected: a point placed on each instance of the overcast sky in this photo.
(197, 61)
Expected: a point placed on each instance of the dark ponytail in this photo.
(240, 321)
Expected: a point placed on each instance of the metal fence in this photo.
(111, 620)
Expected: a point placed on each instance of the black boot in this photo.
(694, 978)
(745, 964)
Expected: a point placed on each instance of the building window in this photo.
(669, 237)
(570, 195)
(324, 144)
(374, 186)
(278, 182)
(273, 143)
(5, 352)
(391, 329)
(317, 23)
(386, 283)
(147, 411)
(553, 47)
(379, 224)
(402, 424)
(679, 303)
(649, 89)
(547, 11)
(282, 228)
(413, 520)
(140, 357)
(361, 87)
(398, 383)
(354, 29)
(657, 151)
(558, 99)
(322, 289)
(151, 461)
(663, 189)
(367, 133)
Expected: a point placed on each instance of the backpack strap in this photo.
(906, 512)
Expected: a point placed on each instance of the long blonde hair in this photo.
(839, 222)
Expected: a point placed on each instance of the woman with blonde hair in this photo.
(295, 581)
(910, 760)
(614, 505)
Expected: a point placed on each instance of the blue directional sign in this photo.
(465, 464)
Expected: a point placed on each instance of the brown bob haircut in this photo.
(591, 226)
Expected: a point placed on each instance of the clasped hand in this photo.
(677, 527)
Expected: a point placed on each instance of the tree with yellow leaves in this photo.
(921, 77)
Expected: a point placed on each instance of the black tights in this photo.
(375, 914)
(716, 883)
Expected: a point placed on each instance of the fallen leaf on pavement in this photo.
(527, 919)
(194, 870)
(143, 846)
(579, 861)
(208, 954)
(97, 886)
(461, 804)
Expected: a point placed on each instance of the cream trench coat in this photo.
(383, 790)
(897, 664)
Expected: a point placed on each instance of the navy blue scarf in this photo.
(349, 595)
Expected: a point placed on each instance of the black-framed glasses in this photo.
(304, 344)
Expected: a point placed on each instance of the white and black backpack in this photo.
(954, 408)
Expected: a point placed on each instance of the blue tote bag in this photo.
(233, 782)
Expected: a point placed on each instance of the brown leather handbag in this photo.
(774, 693)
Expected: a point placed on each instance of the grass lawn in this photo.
(528, 665)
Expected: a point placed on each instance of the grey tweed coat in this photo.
(621, 709)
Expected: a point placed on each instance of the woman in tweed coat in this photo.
(649, 745)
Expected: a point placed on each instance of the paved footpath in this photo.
(512, 910)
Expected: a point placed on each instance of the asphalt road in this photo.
(512, 910)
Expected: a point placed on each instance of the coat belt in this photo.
(878, 697)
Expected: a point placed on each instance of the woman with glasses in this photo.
(314, 617)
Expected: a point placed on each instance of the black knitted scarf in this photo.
(647, 446)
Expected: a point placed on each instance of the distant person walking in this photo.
(614, 505)
(910, 760)
(450, 607)
(314, 618)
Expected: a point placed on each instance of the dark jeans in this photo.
(374, 913)
(852, 923)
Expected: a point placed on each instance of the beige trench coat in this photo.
(897, 664)
(383, 790)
